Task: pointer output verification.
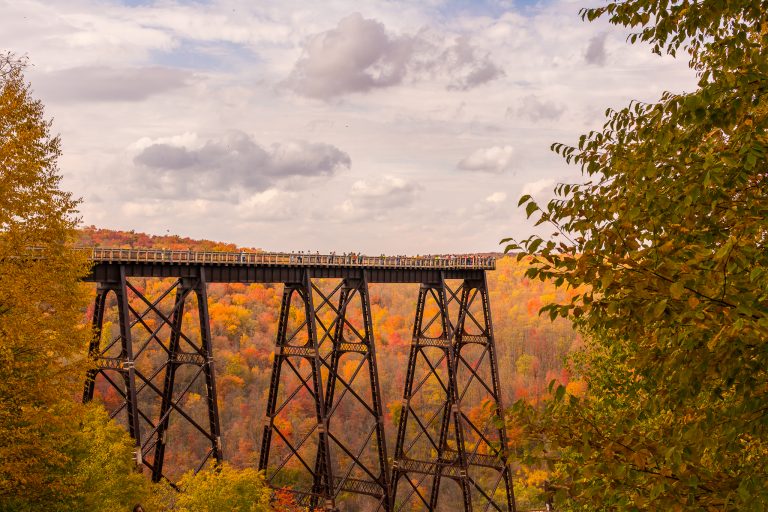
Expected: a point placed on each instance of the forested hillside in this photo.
(531, 348)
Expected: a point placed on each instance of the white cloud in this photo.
(186, 139)
(496, 198)
(495, 159)
(270, 205)
(387, 191)
(467, 66)
(231, 163)
(537, 186)
(536, 109)
(101, 83)
(493, 206)
(377, 198)
(361, 54)
(356, 56)
(156, 209)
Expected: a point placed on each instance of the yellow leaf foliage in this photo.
(54, 454)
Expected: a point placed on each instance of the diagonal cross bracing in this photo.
(472, 454)
(150, 405)
(340, 464)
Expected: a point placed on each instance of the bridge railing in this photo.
(468, 261)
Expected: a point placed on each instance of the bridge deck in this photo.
(269, 267)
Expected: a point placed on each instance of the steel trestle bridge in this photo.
(325, 361)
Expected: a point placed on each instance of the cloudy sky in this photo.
(374, 126)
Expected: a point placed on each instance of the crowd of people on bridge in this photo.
(354, 258)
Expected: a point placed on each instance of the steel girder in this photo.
(454, 348)
(148, 404)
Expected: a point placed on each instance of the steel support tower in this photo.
(332, 461)
(452, 354)
(149, 390)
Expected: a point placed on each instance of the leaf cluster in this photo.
(666, 241)
(219, 487)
